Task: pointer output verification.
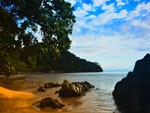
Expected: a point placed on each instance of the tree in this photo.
(19, 20)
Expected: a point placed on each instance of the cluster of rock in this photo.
(74, 89)
(48, 85)
(132, 94)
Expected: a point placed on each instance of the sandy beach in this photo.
(19, 94)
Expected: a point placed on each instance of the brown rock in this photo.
(50, 102)
(41, 89)
(74, 89)
(51, 85)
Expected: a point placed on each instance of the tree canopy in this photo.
(20, 50)
(20, 19)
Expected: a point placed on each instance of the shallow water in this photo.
(95, 101)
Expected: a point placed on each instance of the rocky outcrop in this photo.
(51, 102)
(132, 94)
(74, 89)
(48, 85)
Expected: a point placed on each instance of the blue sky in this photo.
(114, 33)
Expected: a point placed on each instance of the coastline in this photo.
(93, 101)
(16, 96)
(25, 98)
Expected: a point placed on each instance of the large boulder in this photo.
(50, 102)
(132, 94)
(74, 89)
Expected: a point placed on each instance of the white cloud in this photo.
(91, 16)
(137, 12)
(82, 15)
(141, 23)
(79, 24)
(97, 3)
(87, 7)
(122, 14)
(120, 3)
(83, 11)
(108, 8)
(137, 28)
(107, 17)
(80, 12)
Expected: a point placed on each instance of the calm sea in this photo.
(100, 100)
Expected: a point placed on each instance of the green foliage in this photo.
(65, 62)
(68, 62)
(20, 50)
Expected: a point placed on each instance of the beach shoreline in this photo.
(25, 98)
(92, 101)
(17, 90)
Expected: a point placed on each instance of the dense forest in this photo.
(20, 50)
(66, 62)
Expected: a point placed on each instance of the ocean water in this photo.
(100, 101)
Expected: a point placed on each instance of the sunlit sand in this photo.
(12, 100)
(6, 93)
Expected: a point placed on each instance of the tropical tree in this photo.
(20, 19)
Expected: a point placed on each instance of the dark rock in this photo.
(48, 85)
(50, 102)
(57, 92)
(132, 94)
(97, 88)
(74, 89)
(41, 89)
(51, 85)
